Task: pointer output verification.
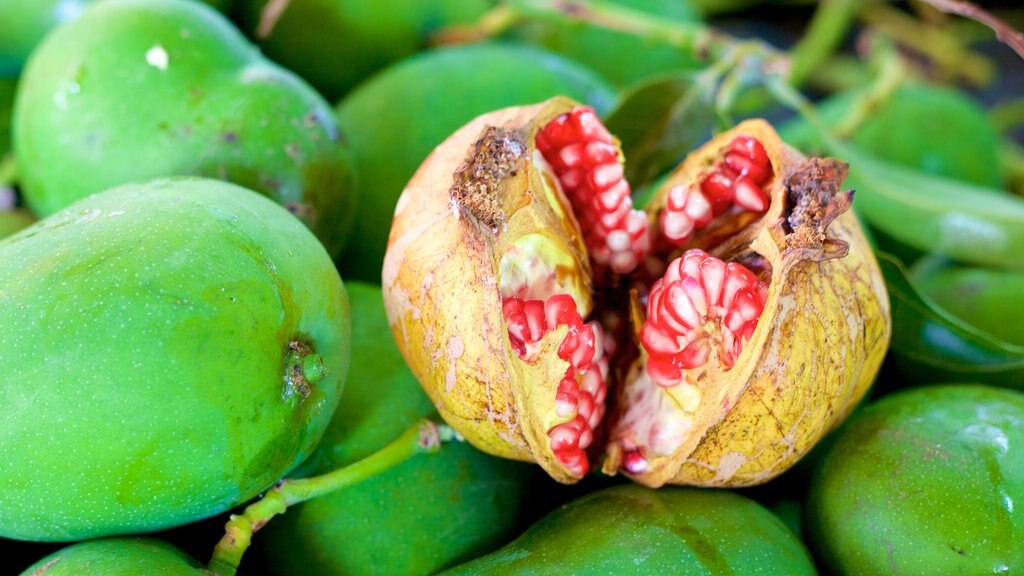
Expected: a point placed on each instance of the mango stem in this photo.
(424, 437)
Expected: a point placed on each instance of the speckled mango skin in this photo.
(117, 557)
(23, 23)
(924, 481)
(140, 89)
(636, 530)
(142, 348)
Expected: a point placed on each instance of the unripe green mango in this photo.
(23, 23)
(399, 116)
(631, 529)
(924, 481)
(117, 557)
(158, 347)
(427, 514)
(14, 220)
(139, 89)
(6, 103)
(334, 44)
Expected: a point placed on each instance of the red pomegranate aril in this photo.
(698, 290)
(750, 148)
(567, 396)
(749, 195)
(634, 462)
(746, 167)
(583, 155)
(575, 460)
(718, 191)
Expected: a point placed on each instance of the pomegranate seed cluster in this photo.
(583, 155)
(698, 293)
(738, 179)
(581, 391)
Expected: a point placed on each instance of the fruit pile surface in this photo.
(326, 287)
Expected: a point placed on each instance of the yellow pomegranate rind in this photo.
(442, 293)
(818, 345)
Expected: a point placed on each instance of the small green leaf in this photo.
(660, 121)
(933, 345)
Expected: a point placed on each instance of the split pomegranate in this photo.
(514, 289)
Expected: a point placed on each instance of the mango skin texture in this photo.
(632, 529)
(143, 352)
(928, 480)
(139, 89)
(117, 557)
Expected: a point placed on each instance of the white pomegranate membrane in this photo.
(700, 305)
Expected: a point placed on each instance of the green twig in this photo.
(947, 51)
(423, 438)
(1007, 116)
(1011, 160)
(828, 26)
(890, 74)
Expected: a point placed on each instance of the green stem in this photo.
(1011, 159)
(703, 42)
(828, 26)
(493, 23)
(945, 50)
(1007, 116)
(424, 437)
(890, 73)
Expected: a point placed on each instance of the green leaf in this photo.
(660, 121)
(931, 345)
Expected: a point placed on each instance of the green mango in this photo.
(14, 220)
(24, 23)
(159, 347)
(912, 128)
(139, 89)
(399, 116)
(6, 103)
(924, 481)
(335, 44)
(117, 557)
(622, 58)
(427, 514)
(989, 300)
(634, 530)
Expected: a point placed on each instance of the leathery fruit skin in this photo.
(456, 343)
(520, 336)
(169, 350)
(818, 344)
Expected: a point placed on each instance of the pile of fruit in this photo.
(542, 293)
